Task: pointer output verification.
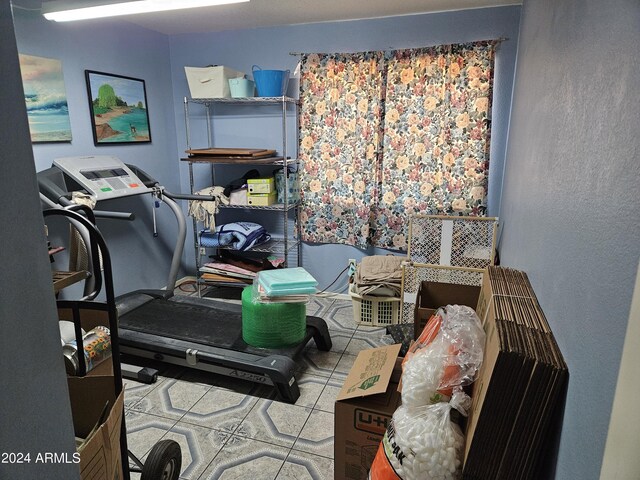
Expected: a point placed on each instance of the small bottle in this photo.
(97, 348)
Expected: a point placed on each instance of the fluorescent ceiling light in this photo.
(67, 11)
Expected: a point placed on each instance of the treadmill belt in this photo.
(215, 327)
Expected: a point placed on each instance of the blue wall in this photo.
(140, 260)
(118, 47)
(571, 203)
(270, 48)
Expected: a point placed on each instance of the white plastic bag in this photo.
(447, 354)
(422, 443)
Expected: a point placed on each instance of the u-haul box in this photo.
(363, 410)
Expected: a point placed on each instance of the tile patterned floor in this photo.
(232, 429)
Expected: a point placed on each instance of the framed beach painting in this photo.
(118, 107)
(46, 99)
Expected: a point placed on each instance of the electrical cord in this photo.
(191, 283)
(336, 279)
(342, 291)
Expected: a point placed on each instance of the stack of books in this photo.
(225, 272)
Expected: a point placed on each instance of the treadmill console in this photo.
(104, 177)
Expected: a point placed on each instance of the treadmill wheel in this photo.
(164, 462)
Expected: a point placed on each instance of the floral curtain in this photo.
(385, 136)
(341, 99)
(436, 136)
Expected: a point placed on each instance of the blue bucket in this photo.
(270, 83)
(241, 87)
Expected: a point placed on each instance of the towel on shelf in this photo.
(237, 235)
(205, 210)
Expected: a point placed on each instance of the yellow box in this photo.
(262, 199)
(261, 185)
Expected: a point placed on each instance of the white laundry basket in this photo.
(374, 311)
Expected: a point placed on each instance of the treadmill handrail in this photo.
(52, 191)
(189, 196)
(129, 216)
(58, 195)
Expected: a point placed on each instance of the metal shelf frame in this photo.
(287, 243)
(275, 206)
(243, 100)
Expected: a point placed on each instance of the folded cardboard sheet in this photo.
(519, 386)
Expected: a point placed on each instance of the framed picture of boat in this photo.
(118, 106)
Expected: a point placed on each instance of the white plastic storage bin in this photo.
(210, 82)
(374, 311)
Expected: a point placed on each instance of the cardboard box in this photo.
(97, 413)
(210, 82)
(293, 193)
(261, 185)
(261, 199)
(433, 295)
(100, 454)
(363, 410)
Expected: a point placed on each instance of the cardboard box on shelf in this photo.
(261, 199)
(363, 410)
(261, 185)
(433, 295)
(293, 184)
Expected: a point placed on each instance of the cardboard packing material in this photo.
(92, 399)
(519, 385)
(433, 295)
(363, 410)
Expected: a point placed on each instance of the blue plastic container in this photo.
(241, 87)
(270, 83)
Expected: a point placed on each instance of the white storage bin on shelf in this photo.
(374, 311)
(210, 82)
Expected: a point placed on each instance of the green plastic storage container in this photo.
(272, 325)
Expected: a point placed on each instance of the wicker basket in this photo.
(375, 311)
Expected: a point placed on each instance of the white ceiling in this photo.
(265, 13)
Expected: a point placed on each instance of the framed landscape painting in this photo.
(118, 108)
(46, 99)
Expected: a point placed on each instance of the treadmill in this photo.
(198, 333)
